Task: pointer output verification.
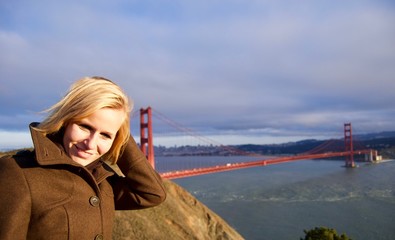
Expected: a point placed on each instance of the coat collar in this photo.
(50, 153)
(114, 167)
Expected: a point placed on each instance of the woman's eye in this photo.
(84, 126)
(105, 135)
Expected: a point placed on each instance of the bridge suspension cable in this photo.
(196, 135)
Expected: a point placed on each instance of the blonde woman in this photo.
(84, 166)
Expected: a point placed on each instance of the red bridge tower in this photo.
(348, 145)
(146, 142)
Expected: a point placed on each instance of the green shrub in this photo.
(323, 233)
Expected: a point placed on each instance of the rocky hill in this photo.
(181, 216)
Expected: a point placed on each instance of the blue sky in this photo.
(234, 71)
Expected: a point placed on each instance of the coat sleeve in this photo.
(15, 201)
(142, 187)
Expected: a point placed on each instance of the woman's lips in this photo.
(81, 153)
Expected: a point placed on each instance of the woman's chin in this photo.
(82, 161)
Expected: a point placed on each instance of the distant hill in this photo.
(383, 142)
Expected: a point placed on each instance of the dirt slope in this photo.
(181, 216)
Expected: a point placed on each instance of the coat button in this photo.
(99, 237)
(94, 201)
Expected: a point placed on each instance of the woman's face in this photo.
(91, 137)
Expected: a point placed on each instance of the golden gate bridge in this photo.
(319, 152)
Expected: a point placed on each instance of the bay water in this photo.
(280, 201)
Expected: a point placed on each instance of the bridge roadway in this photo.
(270, 161)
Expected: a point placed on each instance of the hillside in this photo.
(384, 145)
(384, 142)
(181, 216)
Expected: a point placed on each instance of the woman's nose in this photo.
(91, 142)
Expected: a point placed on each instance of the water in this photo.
(280, 201)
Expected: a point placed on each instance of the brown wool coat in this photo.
(45, 195)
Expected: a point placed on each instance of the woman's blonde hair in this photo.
(85, 97)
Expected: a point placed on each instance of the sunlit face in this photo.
(91, 137)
